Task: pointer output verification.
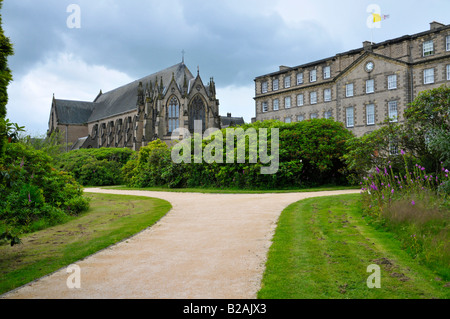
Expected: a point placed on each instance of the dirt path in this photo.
(208, 246)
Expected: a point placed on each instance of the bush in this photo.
(33, 193)
(310, 154)
(95, 167)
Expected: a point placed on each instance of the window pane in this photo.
(313, 97)
(370, 110)
(392, 82)
(349, 90)
(393, 113)
(349, 116)
(300, 118)
(264, 107)
(447, 42)
(300, 100)
(313, 76)
(264, 87)
(276, 105)
(275, 84)
(287, 82)
(448, 72)
(328, 115)
(326, 72)
(428, 76)
(287, 102)
(428, 48)
(369, 86)
(314, 115)
(299, 78)
(287, 120)
(327, 95)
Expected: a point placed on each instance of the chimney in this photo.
(367, 45)
(283, 67)
(436, 25)
(228, 114)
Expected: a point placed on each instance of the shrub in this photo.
(95, 167)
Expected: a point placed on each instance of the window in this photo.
(349, 90)
(370, 86)
(448, 72)
(264, 87)
(392, 82)
(276, 105)
(314, 116)
(300, 78)
(313, 76)
(275, 84)
(287, 82)
(428, 76)
(300, 100)
(393, 112)
(327, 95)
(287, 120)
(328, 115)
(300, 118)
(349, 117)
(174, 115)
(428, 48)
(393, 148)
(287, 102)
(326, 72)
(447, 43)
(265, 108)
(313, 97)
(370, 114)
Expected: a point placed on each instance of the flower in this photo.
(29, 198)
(413, 203)
(402, 152)
(392, 191)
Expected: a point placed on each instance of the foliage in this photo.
(310, 153)
(95, 167)
(31, 190)
(415, 206)
(6, 50)
(53, 145)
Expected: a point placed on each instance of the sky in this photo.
(115, 42)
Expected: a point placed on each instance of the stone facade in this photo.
(360, 88)
(137, 113)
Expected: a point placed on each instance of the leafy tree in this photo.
(6, 50)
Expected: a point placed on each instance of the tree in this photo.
(6, 50)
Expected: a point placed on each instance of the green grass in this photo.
(110, 219)
(236, 190)
(321, 250)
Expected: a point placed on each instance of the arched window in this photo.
(173, 114)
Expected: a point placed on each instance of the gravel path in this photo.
(209, 246)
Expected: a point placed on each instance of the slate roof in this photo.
(124, 98)
(227, 121)
(73, 112)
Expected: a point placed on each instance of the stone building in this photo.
(360, 88)
(137, 113)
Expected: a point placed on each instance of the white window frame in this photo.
(327, 95)
(314, 116)
(349, 90)
(448, 72)
(313, 76)
(447, 43)
(370, 114)
(300, 99)
(276, 104)
(265, 107)
(313, 97)
(392, 82)
(428, 76)
(326, 72)
(299, 78)
(393, 148)
(300, 118)
(370, 86)
(264, 87)
(287, 82)
(275, 84)
(393, 111)
(328, 115)
(287, 102)
(287, 120)
(350, 116)
(428, 48)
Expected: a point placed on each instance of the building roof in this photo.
(124, 98)
(73, 112)
(227, 121)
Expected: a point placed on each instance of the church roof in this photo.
(124, 98)
(73, 112)
(227, 121)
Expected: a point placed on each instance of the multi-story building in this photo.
(360, 88)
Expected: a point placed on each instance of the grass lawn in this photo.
(110, 219)
(236, 190)
(322, 248)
